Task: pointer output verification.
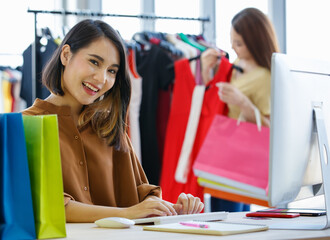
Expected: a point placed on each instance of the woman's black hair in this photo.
(108, 116)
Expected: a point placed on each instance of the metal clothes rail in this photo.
(99, 14)
(88, 13)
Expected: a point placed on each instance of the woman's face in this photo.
(90, 72)
(238, 44)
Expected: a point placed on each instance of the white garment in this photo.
(188, 50)
(134, 110)
(184, 162)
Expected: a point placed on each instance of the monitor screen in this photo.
(294, 167)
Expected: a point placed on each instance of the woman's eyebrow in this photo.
(97, 56)
(102, 59)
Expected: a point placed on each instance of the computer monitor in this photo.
(299, 88)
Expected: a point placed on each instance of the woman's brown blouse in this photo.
(93, 172)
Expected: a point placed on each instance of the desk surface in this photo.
(91, 231)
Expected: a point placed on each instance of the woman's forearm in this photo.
(85, 213)
(247, 110)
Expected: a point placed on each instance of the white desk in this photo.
(92, 232)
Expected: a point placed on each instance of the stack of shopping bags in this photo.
(234, 160)
(31, 187)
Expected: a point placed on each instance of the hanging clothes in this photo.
(181, 103)
(188, 50)
(2, 100)
(44, 53)
(10, 80)
(134, 107)
(192, 42)
(152, 67)
(7, 95)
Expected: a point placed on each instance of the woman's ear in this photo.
(65, 54)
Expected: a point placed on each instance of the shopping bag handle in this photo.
(258, 118)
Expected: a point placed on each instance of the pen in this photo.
(198, 225)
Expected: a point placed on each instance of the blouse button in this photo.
(76, 137)
(81, 163)
(85, 188)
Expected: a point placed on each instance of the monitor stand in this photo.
(324, 158)
(321, 222)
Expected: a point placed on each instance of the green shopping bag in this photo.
(42, 144)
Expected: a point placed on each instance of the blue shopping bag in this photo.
(16, 208)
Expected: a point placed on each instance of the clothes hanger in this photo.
(46, 35)
(192, 42)
(141, 39)
(238, 68)
(157, 35)
(167, 46)
(159, 39)
(148, 38)
(132, 45)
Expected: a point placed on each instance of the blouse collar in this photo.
(52, 108)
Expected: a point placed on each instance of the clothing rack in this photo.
(238, 68)
(89, 13)
(99, 14)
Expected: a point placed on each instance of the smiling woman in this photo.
(99, 64)
(91, 54)
(90, 93)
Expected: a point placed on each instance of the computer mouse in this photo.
(114, 222)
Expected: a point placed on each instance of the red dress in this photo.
(177, 123)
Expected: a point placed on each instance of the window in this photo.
(307, 29)
(126, 26)
(15, 35)
(17, 28)
(175, 8)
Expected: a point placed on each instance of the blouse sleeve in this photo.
(67, 198)
(146, 190)
(143, 187)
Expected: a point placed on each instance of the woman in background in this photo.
(254, 41)
(90, 94)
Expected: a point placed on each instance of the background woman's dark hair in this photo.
(258, 34)
(108, 116)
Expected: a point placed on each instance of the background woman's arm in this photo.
(232, 95)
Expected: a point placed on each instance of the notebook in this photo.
(211, 216)
(208, 228)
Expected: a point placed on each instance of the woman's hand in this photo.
(209, 60)
(154, 206)
(230, 94)
(188, 204)
(151, 206)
